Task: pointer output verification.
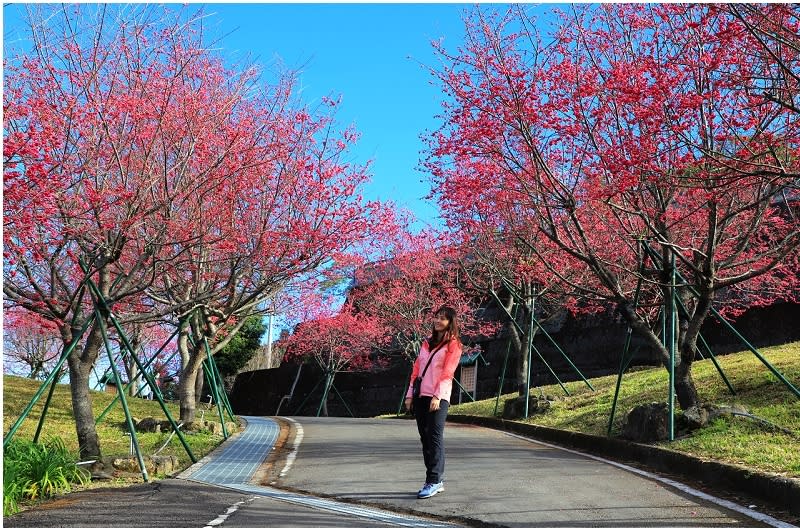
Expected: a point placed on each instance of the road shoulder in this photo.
(772, 494)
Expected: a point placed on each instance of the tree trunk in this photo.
(684, 384)
(521, 344)
(522, 359)
(690, 331)
(685, 389)
(187, 389)
(130, 366)
(80, 366)
(325, 394)
(186, 395)
(199, 385)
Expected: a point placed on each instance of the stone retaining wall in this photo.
(593, 343)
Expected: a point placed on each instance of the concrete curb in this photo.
(772, 489)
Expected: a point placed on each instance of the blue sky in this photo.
(369, 54)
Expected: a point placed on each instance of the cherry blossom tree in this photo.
(31, 346)
(626, 141)
(418, 274)
(775, 35)
(336, 340)
(293, 207)
(93, 117)
(184, 189)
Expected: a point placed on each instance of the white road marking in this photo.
(755, 515)
(232, 509)
(296, 446)
(340, 507)
(229, 460)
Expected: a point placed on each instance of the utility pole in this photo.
(269, 342)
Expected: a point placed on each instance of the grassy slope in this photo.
(736, 440)
(17, 392)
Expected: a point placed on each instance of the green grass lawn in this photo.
(60, 422)
(734, 440)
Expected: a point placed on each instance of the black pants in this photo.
(431, 432)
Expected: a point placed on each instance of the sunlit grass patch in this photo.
(17, 392)
(735, 440)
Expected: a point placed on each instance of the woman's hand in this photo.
(409, 402)
(434, 404)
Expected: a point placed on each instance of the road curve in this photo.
(337, 472)
(492, 478)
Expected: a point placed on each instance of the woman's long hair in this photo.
(451, 332)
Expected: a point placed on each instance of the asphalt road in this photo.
(492, 479)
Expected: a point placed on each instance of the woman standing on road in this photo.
(428, 394)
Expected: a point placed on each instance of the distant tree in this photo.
(418, 274)
(242, 347)
(336, 340)
(31, 346)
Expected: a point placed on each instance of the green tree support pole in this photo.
(563, 353)
(153, 358)
(625, 359)
(97, 377)
(149, 379)
(657, 259)
(220, 384)
(716, 363)
(138, 363)
(212, 384)
(705, 345)
(136, 374)
(471, 398)
(344, 402)
(215, 394)
(502, 378)
(532, 348)
(744, 341)
(671, 324)
(47, 382)
(224, 393)
(214, 380)
(45, 408)
(122, 399)
(552, 372)
(296, 411)
(522, 333)
(753, 349)
(623, 365)
(152, 384)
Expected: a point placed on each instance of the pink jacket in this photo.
(438, 381)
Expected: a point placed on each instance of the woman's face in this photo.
(440, 322)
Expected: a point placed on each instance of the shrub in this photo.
(38, 470)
